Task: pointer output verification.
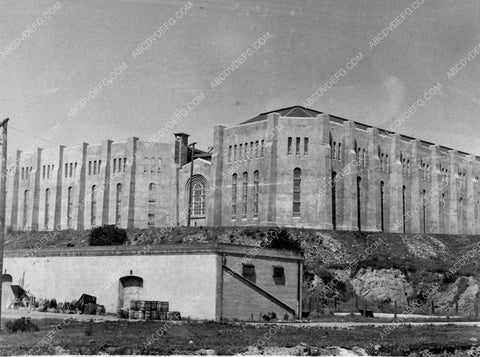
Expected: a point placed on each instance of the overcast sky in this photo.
(54, 66)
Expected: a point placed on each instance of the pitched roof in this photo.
(293, 112)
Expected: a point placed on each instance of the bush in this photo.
(281, 239)
(20, 325)
(107, 235)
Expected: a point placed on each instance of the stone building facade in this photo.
(290, 167)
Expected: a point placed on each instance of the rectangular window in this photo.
(66, 170)
(43, 172)
(151, 219)
(240, 152)
(248, 272)
(94, 167)
(279, 275)
(256, 149)
(305, 146)
(251, 153)
(48, 171)
(245, 155)
(262, 148)
(230, 153)
(297, 146)
(114, 165)
(119, 165)
(234, 152)
(89, 168)
(289, 146)
(297, 182)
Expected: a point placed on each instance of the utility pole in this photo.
(3, 189)
(191, 185)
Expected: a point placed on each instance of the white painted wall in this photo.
(186, 281)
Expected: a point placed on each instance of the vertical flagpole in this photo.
(3, 189)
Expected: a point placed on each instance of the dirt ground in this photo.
(137, 337)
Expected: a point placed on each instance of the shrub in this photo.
(107, 235)
(20, 325)
(281, 239)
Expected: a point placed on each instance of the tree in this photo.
(107, 235)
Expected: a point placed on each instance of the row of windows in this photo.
(362, 157)
(246, 151)
(117, 165)
(256, 192)
(73, 169)
(384, 162)
(46, 169)
(93, 165)
(406, 168)
(425, 170)
(278, 274)
(298, 148)
(151, 164)
(26, 172)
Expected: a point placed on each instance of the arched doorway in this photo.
(129, 288)
(7, 294)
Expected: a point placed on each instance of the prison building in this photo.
(302, 168)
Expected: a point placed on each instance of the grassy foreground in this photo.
(123, 337)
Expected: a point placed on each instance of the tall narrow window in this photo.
(230, 153)
(443, 204)
(48, 171)
(69, 207)
(23, 173)
(289, 146)
(460, 223)
(43, 172)
(404, 203)
(305, 146)
(89, 168)
(339, 155)
(334, 200)
(145, 164)
(234, 152)
(114, 165)
(119, 165)
(257, 151)
(159, 167)
(95, 167)
(66, 170)
(47, 208)
(25, 209)
(234, 196)
(245, 195)
(334, 151)
(198, 192)
(152, 199)
(297, 183)
(99, 166)
(297, 146)
(71, 169)
(118, 206)
(359, 203)
(152, 165)
(240, 152)
(382, 205)
(256, 188)
(262, 148)
(125, 164)
(93, 213)
(424, 210)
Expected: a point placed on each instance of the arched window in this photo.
(118, 204)
(256, 187)
(198, 191)
(47, 208)
(245, 195)
(234, 196)
(297, 181)
(93, 213)
(69, 207)
(152, 200)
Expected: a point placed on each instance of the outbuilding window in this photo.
(279, 275)
(249, 272)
